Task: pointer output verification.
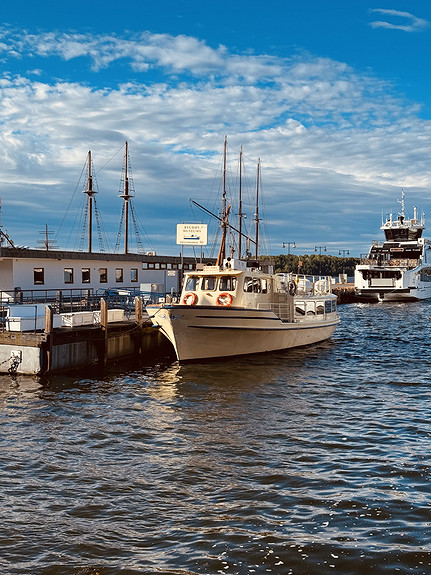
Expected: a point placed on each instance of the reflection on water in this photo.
(310, 461)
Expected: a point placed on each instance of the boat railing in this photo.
(304, 284)
(282, 310)
(408, 263)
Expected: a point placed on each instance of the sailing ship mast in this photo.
(90, 194)
(126, 197)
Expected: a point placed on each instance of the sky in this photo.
(330, 98)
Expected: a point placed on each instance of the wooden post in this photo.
(138, 310)
(49, 326)
(139, 320)
(104, 325)
(49, 319)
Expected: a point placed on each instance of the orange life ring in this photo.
(190, 298)
(224, 299)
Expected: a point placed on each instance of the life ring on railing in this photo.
(224, 299)
(292, 288)
(190, 298)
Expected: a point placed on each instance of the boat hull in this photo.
(207, 332)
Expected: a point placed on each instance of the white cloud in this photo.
(408, 22)
(326, 135)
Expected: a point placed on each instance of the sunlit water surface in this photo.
(311, 461)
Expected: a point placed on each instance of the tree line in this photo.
(314, 264)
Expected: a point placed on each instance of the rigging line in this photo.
(117, 244)
(70, 201)
(99, 231)
(110, 160)
(137, 236)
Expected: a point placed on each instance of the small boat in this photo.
(398, 269)
(236, 307)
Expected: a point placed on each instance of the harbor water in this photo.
(310, 461)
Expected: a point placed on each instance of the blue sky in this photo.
(333, 96)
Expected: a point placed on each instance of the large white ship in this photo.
(399, 269)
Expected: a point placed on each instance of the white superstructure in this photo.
(399, 269)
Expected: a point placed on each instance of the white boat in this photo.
(236, 308)
(233, 309)
(398, 269)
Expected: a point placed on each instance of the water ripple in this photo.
(311, 461)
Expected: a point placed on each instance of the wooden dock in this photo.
(345, 293)
(65, 348)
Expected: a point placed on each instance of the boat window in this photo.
(300, 308)
(38, 276)
(119, 275)
(264, 284)
(134, 275)
(248, 284)
(68, 275)
(103, 275)
(256, 286)
(320, 310)
(192, 283)
(227, 283)
(208, 283)
(85, 275)
(426, 275)
(328, 306)
(311, 308)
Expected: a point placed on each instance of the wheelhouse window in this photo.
(119, 275)
(254, 285)
(85, 275)
(68, 275)
(228, 283)
(208, 283)
(134, 275)
(38, 276)
(103, 275)
(192, 283)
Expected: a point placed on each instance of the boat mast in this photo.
(257, 208)
(240, 204)
(90, 194)
(225, 211)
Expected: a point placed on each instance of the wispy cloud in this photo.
(317, 125)
(399, 21)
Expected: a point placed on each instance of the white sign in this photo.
(192, 234)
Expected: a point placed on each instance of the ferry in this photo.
(398, 269)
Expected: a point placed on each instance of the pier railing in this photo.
(79, 299)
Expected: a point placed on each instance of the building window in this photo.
(150, 265)
(68, 275)
(162, 266)
(144, 265)
(134, 275)
(119, 275)
(85, 275)
(103, 275)
(38, 276)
